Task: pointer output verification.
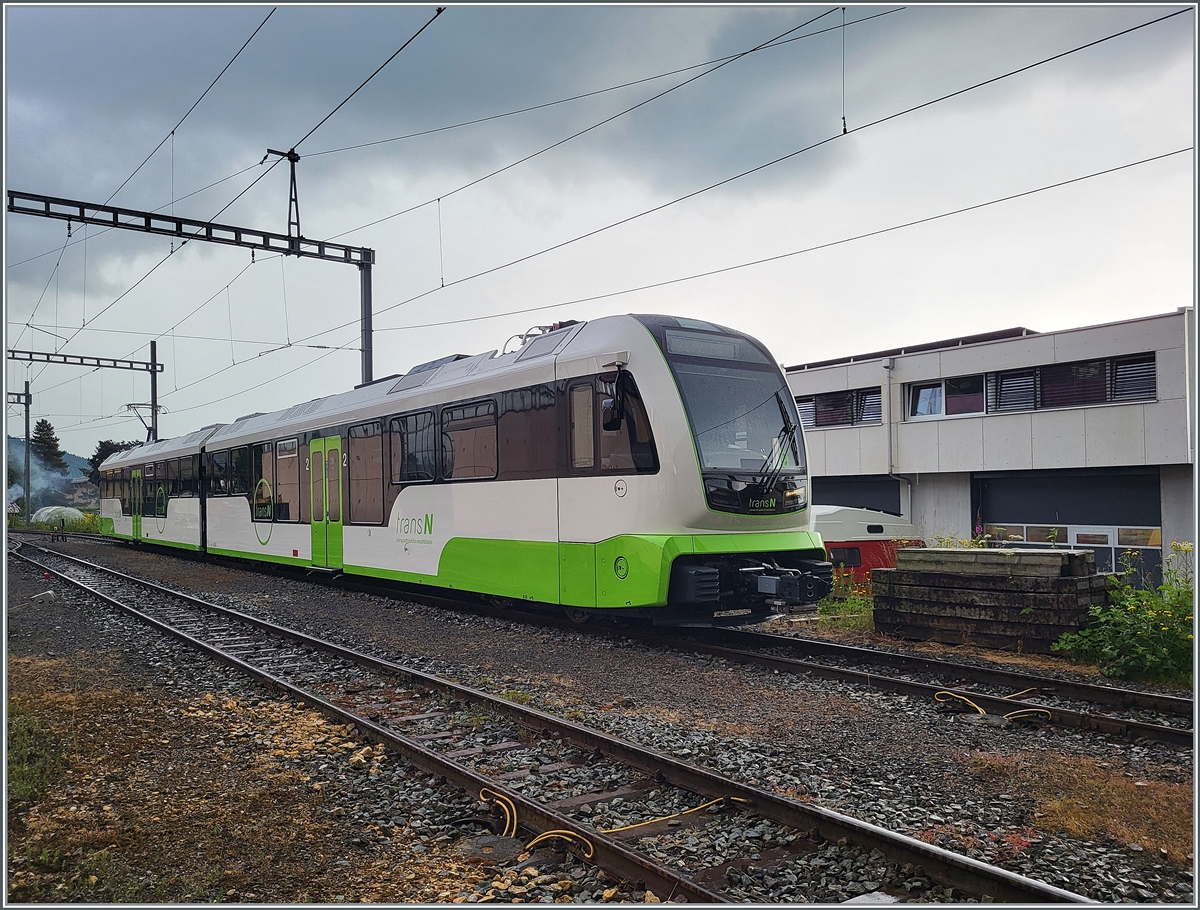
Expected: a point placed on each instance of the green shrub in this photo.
(1142, 634)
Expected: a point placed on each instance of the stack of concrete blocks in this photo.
(1020, 600)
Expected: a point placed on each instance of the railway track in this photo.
(988, 695)
(550, 776)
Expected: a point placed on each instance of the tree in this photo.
(105, 448)
(44, 446)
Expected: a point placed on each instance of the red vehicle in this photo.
(859, 540)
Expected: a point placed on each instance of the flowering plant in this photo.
(1142, 633)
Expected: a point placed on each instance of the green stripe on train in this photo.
(625, 571)
(260, 556)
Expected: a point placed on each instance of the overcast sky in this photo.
(91, 91)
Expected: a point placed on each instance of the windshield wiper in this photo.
(784, 442)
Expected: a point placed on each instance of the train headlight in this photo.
(796, 498)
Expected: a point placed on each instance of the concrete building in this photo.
(1084, 437)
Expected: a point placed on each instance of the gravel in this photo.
(890, 760)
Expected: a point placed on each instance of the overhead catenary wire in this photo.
(440, 10)
(768, 259)
(559, 304)
(602, 91)
(486, 119)
(885, 119)
(160, 208)
(871, 233)
(171, 134)
(582, 132)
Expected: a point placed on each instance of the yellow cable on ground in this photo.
(510, 810)
(1022, 692)
(567, 836)
(1025, 712)
(677, 814)
(938, 697)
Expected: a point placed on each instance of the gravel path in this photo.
(886, 759)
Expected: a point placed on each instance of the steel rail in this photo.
(1107, 695)
(531, 815)
(995, 705)
(964, 873)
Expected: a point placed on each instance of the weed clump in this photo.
(1143, 634)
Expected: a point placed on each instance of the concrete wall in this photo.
(941, 505)
(1159, 432)
(1178, 505)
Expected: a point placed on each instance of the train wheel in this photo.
(576, 615)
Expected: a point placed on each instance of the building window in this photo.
(960, 395)
(1058, 385)
(841, 409)
(964, 395)
(925, 399)
(1064, 385)
(1012, 390)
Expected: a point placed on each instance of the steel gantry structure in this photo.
(71, 210)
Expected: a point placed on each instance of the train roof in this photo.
(423, 385)
(146, 452)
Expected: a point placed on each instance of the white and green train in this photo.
(645, 464)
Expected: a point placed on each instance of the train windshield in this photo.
(742, 413)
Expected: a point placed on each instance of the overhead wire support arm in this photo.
(112, 216)
(108, 363)
(188, 228)
(293, 200)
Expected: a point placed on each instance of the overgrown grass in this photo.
(849, 607)
(1080, 797)
(1143, 634)
(853, 613)
(33, 761)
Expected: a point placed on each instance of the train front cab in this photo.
(734, 482)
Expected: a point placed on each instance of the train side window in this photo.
(287, 484)
(173, 487)
(239, 471)
(317, 481)
(630, 447)
(218, 473)
(162, 488)
(126, 490)
(583, 428)
(333, 480)
(469, 441)
(414, 447)
(262, 461)
(305, 484)
(148, 491)
(845, 557)
(527, 434)
(366, 473)
(187, 476)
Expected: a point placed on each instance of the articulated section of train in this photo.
(647, 464)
